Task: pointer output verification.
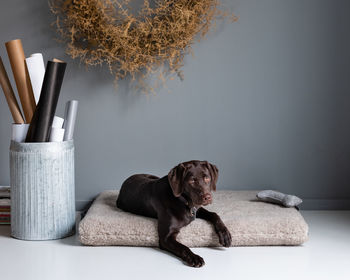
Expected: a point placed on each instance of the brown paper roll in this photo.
(20, 72)
(10, 96)
(58, 60)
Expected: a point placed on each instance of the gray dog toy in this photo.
(285, 200)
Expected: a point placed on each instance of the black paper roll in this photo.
(39, 129)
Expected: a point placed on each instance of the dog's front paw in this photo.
(193, 260)
(225, 238)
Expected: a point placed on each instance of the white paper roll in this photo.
(19, 132)
(69, 119)
(36, 69)
(36, 55)
(57, 122)
(56, 134)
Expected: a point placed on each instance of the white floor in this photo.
(325, 256)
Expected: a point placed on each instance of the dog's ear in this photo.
(176, 177)
(214, 174)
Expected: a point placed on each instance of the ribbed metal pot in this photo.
(42, 190)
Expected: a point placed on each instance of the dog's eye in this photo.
(191, 181)
(206, 179)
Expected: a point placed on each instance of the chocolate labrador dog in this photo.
(175, 200)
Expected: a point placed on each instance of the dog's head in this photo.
(196, 179)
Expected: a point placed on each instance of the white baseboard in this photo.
(325, 204)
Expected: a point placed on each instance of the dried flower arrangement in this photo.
(157, 37)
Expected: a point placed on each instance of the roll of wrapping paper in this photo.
(19, 132)
(56, 131)
(57, 122)
(20, 72)
(39, 129)
(10, 96)
(70, 116)
(56, 134)
(36, 70)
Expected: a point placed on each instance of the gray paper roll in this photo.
(69, 119)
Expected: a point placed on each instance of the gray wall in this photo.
(266, 99)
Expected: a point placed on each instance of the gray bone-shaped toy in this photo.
(285, 200)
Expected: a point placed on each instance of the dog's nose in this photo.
(207, 197)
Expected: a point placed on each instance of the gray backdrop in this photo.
(266, 99)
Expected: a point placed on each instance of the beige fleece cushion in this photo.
(251, 223)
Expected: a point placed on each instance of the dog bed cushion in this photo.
(250, 222)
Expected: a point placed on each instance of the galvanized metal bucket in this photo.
(42, 190)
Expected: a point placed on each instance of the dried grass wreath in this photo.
(154, 39)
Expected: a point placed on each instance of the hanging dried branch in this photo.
(157, 37)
